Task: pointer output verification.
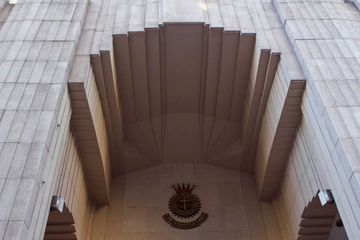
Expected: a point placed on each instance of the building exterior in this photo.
(251, 106)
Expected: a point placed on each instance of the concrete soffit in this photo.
(195, 91)
(274, 162)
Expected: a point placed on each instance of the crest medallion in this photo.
(184, 204)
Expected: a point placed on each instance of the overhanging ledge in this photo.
(272, 157)
(92, 141)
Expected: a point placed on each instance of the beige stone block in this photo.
(190, 235)
(209, 191)
(30, 126)
(19, 161)
(136, 196)
(230, 194)
(7, 198)
(5, 122)
(182, 173)
(135, 236)
(34, 50)
(135, 220)
(16, 230)
(25, 72)
(32, 31)
(234, 218)
(3, 225)
(24, 202)
(17, 126)
(14, 72)
(15, 97)
(160, 194)
(35, 161)
(215, 221)
(161, 236)
(155, 222)
(211, 235)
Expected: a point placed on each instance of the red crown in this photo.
(183, 188)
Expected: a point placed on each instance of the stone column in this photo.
(37, 45)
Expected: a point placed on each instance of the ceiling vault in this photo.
(188, 93)
(184, 92)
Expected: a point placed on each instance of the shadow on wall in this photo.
(321, 220)
(228, 197)
(338, 230)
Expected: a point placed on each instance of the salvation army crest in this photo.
(185, 208)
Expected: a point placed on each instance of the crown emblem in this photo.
(183, 188)
(184, 204)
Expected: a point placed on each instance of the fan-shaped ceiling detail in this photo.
(187, 92)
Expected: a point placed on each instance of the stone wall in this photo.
(325, 37)
(37, 43)
(37, 46)
(229, 197)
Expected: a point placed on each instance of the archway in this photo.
(321, 221)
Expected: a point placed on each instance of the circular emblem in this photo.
(184, 204)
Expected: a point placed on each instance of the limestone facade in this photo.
(108, 103)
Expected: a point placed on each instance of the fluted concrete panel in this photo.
(183, 89)
(183, 53)
(270, 174)
(93, 141)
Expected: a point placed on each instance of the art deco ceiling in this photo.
(189, 87)
(184, 93)
(188, 90)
